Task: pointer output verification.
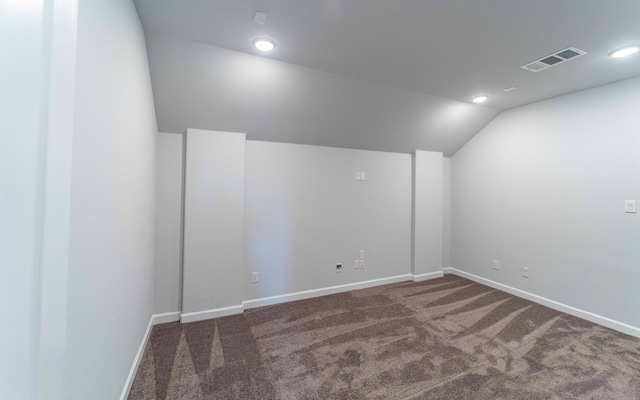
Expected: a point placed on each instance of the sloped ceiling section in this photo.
(201, 86)
(455, 49)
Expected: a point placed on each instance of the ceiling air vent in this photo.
(554, 59)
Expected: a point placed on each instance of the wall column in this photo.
(213, 225)
(427, 212)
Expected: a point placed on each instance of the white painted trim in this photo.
(265, 301)
(154, 320)
(307, 294)
(136, 362)
(165, 317)
(209, 314)
(427, 276)
(589, 316)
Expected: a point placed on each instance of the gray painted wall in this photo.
(22, 94)
(446, 212)
(206, 87)
(168, 219)
(543, 186)
(428, 220)
(305, 212)
(213, 220)
(112, 201)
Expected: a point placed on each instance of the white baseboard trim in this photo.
(136, 362)
(589, 316)
(165, 317)
(307, 294)
(426, 277)
(209, 314)
(265, 301)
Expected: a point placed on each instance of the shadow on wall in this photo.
(269, 250)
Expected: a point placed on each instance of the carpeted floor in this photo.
(447, 338)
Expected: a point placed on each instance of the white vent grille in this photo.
(554, 59)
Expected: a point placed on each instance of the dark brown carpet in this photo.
(447, 338)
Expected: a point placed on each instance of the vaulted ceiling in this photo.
(408, 68)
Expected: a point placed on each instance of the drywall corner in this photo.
(427, 218)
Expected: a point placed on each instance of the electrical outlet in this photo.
(357, 175)
(254, 277)
(496, 264)
(338, 267)
(525, 272)
(363, 176)
(361, 264)
(357, 264)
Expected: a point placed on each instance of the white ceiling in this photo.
(390, 75)
(453, 49)
(200, 86)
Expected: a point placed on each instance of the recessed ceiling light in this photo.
(480, 99)
(264, 44)
(624, 51)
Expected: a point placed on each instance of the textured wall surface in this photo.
(543, 186)
(305, 212)
(168, 221)
(428, 220)
(112, 201)
(213, 220)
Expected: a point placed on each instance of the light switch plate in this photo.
(358, 176)
(363, 176)
(630, 206)
(362, 254)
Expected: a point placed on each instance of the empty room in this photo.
(319, 199)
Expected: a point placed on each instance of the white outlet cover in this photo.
(630, 206)
(363, 176)
(361, 264)
(254, 277)
(357, 175)
(496, 264)
(357, 264)
(362, 254)
(525, 272)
